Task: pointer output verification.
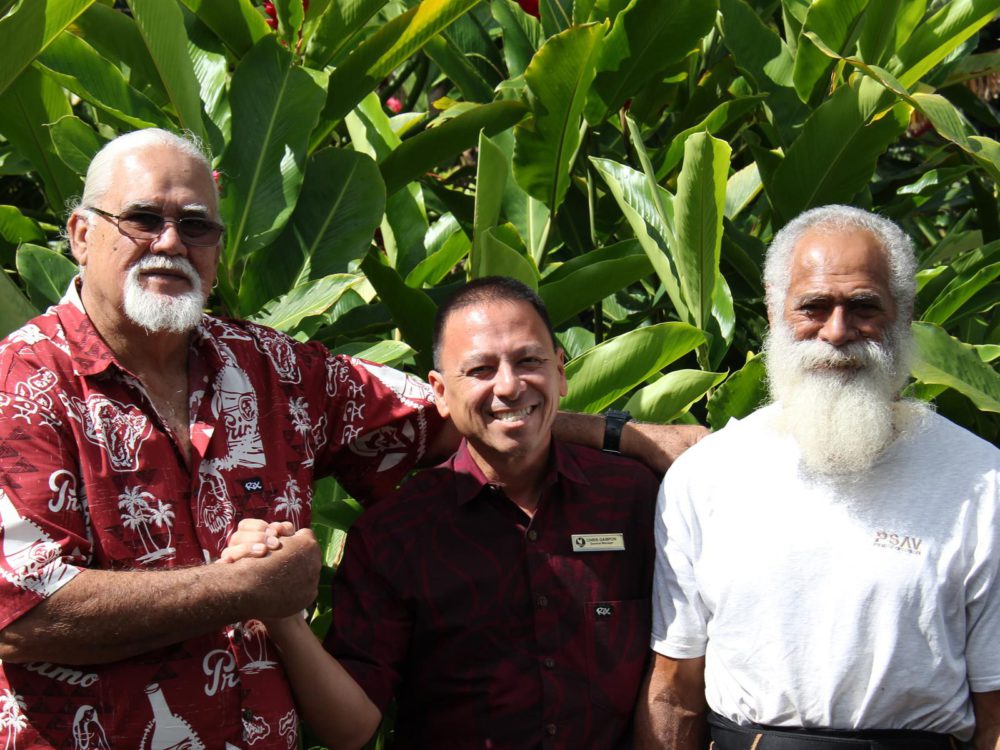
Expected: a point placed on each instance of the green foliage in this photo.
(630, 169)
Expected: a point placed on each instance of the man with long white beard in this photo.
(828, 568)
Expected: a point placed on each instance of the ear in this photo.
(561, 366)
(436, 380)
(77, 229)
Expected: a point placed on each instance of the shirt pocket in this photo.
(618, 650)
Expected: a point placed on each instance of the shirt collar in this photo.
(89, 352)
(470, 480)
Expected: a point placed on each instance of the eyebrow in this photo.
(855, 298)
(188, 209)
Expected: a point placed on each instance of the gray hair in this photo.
(98, 179)
(893, 240)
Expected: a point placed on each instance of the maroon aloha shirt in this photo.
(90, 477)
(496, 630)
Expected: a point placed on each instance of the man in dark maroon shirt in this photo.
(503, 596)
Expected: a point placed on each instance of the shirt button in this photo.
(238, 635)
(542, 601)
(549, 662)
(532, 535)
(550, 729)
(247, 714)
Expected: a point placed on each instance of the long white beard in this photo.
(840, 403)
(163, 312)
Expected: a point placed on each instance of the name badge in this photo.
(598, 542)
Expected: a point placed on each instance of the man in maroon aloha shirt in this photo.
(135, 432)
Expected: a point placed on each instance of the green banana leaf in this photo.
(742, 392)
(337, 213)
(33, 100)
(944, 360)
(601, 375)
(558, 78)
(161, 24)
(236, 22)
(421, 153)
(834, 22)
(503, 255)
(30, 29)
(46, 274)
(640, 46)
(75, 142)
(672, 395)
(263, 166)
(307, 300)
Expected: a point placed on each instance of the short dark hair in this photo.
(483, 290)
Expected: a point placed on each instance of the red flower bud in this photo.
(529, 6)
(394, 104)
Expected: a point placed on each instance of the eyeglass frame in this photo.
(117, 218)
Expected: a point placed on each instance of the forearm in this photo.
(656, 445)
(334, 706)
(987, 710)
(671, 709)
(102, 615)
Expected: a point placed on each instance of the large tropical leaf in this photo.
(262, 167)
(412, 309)
(236, 22)
(522, 35)
(77, 66)
(835, 156)
(405, 222)
(739, 395)
(75, 142)
(115, 35)
(644, 212)
(162, 27)
(46, 274)
(698, 211)
(491, 176)
(672, 395)
(944, 360)
(15, 310)
(306, 300)
(596, 275)
(420, 154)
(640, 45)
(833, 21)
(602, 374)
(502, 255)
(387, 49)
(559, 78)
(30, 29)
(337, 28)
(335, 217)
(936, 37)
(31, 102)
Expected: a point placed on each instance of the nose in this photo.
(168, 241)
(838, 329)
(508, 384)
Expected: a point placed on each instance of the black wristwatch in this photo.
(614, 422)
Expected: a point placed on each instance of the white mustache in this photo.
(174, 263)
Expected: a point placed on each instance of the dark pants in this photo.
(726, 735)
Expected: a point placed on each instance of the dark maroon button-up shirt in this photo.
(497, 630)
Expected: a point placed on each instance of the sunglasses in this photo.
(147, 225)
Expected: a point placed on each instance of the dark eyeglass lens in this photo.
(197, 229)
(143, 222)
(147, 225)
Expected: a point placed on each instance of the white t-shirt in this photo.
(867, 605)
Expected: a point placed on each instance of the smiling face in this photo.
(159, 179)
(500, 383)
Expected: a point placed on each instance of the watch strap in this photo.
(614, 423)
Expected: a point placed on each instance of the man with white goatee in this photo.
(837, 585)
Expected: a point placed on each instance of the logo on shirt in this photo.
(604, 611)
(898, 542)
(254, 484)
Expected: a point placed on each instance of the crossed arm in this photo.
(102, 616)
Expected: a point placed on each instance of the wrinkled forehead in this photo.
(824, 255)
(157, 174)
